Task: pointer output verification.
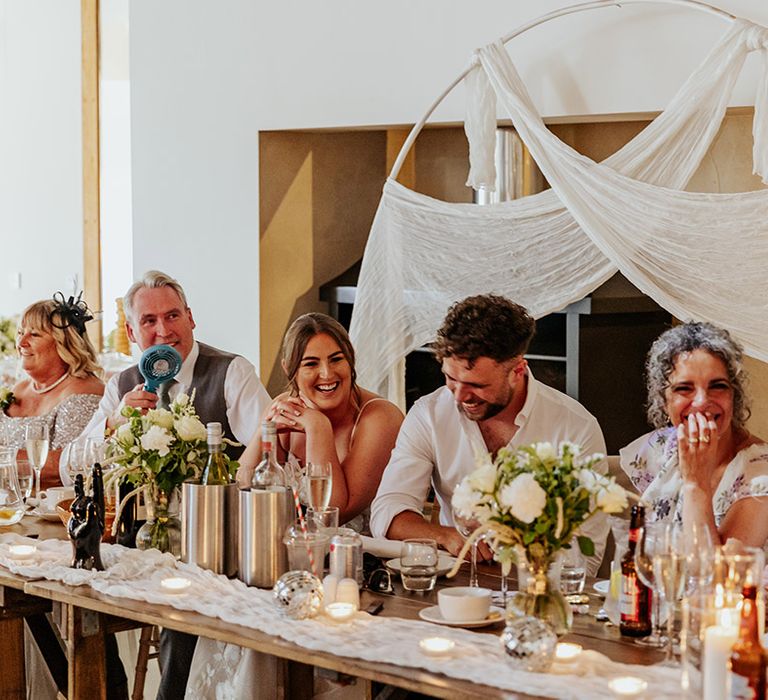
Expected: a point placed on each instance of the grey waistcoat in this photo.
(207, 380)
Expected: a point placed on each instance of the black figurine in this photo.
(86, 526)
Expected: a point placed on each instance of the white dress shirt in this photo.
(438, 443)
(246, 397)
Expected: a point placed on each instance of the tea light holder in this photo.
(175, 584)
(567, 652)
(437, 646)
(347, 591)
(21, 551)
(627, 686)
(341, 612)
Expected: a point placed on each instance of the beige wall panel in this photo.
(318, 196)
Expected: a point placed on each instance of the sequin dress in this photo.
(65, 422)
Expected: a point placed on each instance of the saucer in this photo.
(444, 564)
(51, 515)
(433, 614)
(602, 587)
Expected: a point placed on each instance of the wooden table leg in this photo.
(299, 680)
(13, 682)
(85, 654)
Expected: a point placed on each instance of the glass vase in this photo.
(539, 593)
(163, 528)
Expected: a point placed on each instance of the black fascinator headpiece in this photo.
(71, 312)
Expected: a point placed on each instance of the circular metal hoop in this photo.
(570, 10)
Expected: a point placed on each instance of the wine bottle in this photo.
(748, 658)
(635, 596)
(268, 475)
(215, 472)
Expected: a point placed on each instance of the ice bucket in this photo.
(264, 517)
(209, 517)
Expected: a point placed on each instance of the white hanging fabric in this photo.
(548, 250)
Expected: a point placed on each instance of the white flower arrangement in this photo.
(534, 498)
(6, 397)
(7, 336)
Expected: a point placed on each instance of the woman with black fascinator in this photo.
(62, 387)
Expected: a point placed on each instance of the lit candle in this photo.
(341, 611)
(566, 652)
(175, 584)
(437, 646)
(21, 551)
(627, 686)
(718, 643)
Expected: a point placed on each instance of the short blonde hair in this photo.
(75, 350)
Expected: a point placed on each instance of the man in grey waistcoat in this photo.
(227, 390)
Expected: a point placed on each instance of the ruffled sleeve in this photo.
(745, 477)
(643, 458)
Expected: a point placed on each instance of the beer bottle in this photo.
(635, 596)
(748, 658)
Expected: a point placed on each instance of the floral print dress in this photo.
(651, 463)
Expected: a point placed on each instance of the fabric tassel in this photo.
(480, 127)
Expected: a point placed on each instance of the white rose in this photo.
(124, 434)
(161, 417)
(612, 498)
(181, 400)
(483, 478)
(544, 450)
(157, 438)
(589, 480)
(190, 428)
(524, 498)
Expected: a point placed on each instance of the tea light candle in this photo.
(718, 642)
(21, 551)
(348, 592)
(341, 612)
(567, 652)
(627, 686)
(175, 584)
(437, 646)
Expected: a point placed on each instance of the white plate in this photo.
(433, 614)
(444, 564)
(53, 516)
(602, 587)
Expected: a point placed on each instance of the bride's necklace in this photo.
(46, 389)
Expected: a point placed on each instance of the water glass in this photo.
(418, 564)
(11, 502)
(573, 570)
(306, 550)
(26, 477)
(323, 519)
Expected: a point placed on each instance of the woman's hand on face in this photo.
(292, 413)
(697, 442)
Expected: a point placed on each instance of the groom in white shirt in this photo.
(490, 399)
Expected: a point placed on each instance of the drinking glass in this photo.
(323, 519)
(418, 564)
(465, 526)
(573, 569)
(317, 484)
(652, 538)
(37, 443)
(26, 476)
(76, 458)
(669, 574)
(699, 551)
(11, 502)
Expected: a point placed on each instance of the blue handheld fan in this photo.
(158, 364)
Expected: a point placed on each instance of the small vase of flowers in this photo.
(529, 502)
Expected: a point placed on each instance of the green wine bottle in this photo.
(215, 472)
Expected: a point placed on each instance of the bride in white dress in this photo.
(322, 417)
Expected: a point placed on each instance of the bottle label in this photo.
(629, 600)
(739, 688)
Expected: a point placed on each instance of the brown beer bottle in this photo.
(748, 658)
(635, 596)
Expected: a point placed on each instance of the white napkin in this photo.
(381, 547)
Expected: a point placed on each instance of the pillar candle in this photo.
(718, 642)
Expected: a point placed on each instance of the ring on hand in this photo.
(693, 440)
(704, 438)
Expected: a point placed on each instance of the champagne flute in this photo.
(669, 574)
(465, 526)
(37, 443)
(318, 483)
(75, 458)
(652, 537)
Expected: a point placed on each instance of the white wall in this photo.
(40, 150)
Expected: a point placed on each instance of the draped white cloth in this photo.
(700, 256)
(135, 575)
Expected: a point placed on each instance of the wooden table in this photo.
(84, 616)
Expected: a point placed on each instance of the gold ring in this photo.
(704, 438)
(693, 441)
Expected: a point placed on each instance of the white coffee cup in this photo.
(50, 497)
(464, 603)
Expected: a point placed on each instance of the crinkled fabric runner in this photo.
(700, 256)
(478, 657)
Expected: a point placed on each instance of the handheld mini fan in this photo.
(158, 364)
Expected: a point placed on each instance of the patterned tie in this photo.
(164, 394)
